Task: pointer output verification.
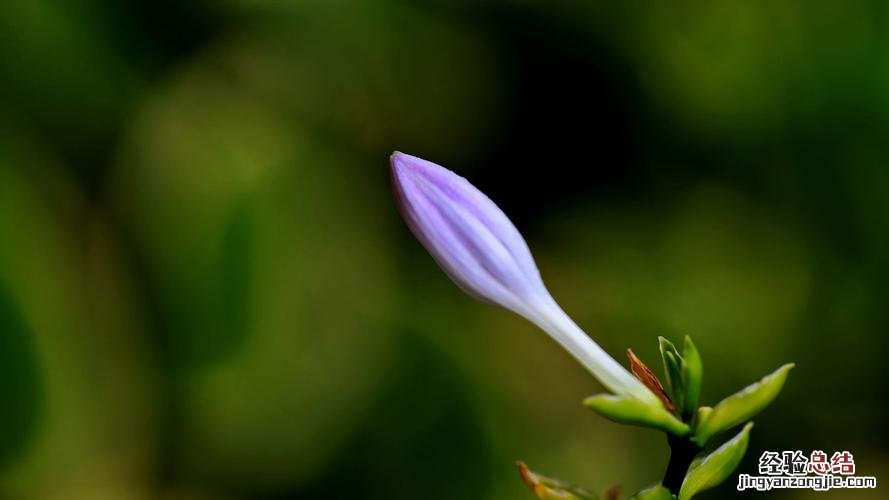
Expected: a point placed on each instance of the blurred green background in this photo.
(206, 293)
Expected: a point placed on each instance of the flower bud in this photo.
(481, 250)
(467, 234)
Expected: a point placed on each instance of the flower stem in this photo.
(682, 453)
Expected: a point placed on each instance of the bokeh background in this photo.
(206, 293)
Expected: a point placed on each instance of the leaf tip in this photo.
(647, 377)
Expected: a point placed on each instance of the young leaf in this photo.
(692, 374)
(740, 406)
(626, 410)
(552, 489)
(657, 492)
(703, 412)
(672, 370)
(717, 466)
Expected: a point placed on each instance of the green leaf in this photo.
(626, 410)
(547, 488)
(672, 371)
(677, 389)
(656, 492)
(684, 373)
(692, 375)
(740, 406)
(713, 469)
(703, 412)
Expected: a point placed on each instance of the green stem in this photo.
(682, 453)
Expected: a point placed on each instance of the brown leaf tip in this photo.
(528, 477)
(647, 377)
(612, 493)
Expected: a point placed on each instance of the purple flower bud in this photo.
(481, 250)
(467, 234)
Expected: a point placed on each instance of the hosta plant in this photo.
(480, 249)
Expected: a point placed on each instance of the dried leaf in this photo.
(647, 377)
(552, 489)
